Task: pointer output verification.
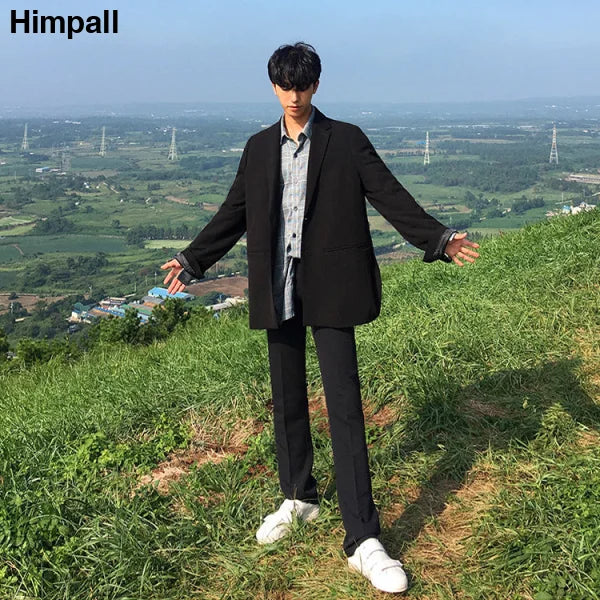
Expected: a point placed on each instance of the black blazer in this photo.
(342, 282)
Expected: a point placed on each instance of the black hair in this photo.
(294, 67)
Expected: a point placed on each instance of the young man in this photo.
(299, 194)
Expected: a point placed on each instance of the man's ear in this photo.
(315, 86)
(274, 89)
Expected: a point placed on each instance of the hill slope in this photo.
(144, 472)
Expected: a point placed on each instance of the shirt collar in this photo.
(307, 130)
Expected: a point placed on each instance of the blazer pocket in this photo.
(360, 246)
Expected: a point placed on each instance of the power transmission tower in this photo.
(554, 150)
(173, 148)
(103, 142)
(25, 143)
(426, 157)
(65, 160)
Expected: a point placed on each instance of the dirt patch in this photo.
(439, 551)
(211, 442)
(178, 200)
(27, 300)
(178, 464)
(232, 286)
(588, 439)
(317, 409)
(382, 417)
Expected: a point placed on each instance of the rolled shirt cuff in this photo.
(438, 253)
(454, 232)
(187, 275)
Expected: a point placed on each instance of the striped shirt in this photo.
(293, 176)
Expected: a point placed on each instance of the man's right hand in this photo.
(176, 268)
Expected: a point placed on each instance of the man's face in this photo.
(295, 103)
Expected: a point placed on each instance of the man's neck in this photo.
(294, 125)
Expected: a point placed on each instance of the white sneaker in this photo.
(277, 524)
(385, 573)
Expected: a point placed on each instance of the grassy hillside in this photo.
(144, 472)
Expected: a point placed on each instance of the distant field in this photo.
(137, 180)
(378, 222)
(177, 244)
(75, 243)
(489, 230)
(20, 230)
(97, 163)
(8, 252)
(8, 221)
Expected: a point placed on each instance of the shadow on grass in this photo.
(504, 411)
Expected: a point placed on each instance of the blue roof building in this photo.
(163, 293)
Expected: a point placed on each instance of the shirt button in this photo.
(293, 235)
(295, 208)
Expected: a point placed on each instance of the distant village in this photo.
(117, 306)
(572, 210)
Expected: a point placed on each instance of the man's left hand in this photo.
(460, 248)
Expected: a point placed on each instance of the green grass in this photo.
(485, 469)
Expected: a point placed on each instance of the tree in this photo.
(130, 326)
(30, 351)
(166, 316)
(4, 345)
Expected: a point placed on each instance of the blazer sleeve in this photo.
(221, 233)
(389, 197)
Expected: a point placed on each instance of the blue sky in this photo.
(201, 51)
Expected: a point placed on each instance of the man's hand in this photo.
(176, 268)
(459, 248)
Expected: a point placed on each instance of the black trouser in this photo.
(336, 351)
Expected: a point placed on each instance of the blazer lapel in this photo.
(273, 174)
(318, 145)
